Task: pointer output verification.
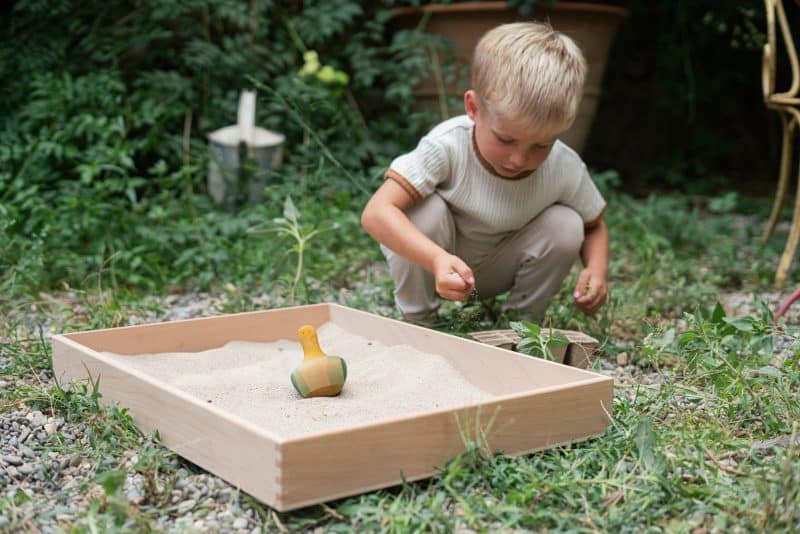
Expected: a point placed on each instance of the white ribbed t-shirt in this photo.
(487, 207)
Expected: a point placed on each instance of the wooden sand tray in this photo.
(526, 404)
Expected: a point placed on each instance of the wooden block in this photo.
(581, 349)
(532, 404)
(578, 353)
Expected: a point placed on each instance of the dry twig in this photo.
(720, 465)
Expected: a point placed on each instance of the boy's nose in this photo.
(517, 159)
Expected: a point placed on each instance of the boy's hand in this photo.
(591, 292)
(454, 278)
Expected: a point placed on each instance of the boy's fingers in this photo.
(595, 303)
(467, 282)
(584, 298)
(582, 289)
(465, 273)
(456, 281)
(453, 287)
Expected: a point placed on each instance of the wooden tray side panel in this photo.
(367, 458)
(523, 425)
(245, 458)
(347, 463)
(194, 335)
(495, 370)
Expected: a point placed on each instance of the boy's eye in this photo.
(504, 140)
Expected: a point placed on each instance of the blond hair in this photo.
(528, 71)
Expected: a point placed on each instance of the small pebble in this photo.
(622, 359)
(26, 469)
(185, 506)
(12, 459)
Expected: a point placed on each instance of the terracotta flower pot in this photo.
(593, 26)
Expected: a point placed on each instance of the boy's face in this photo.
(510, 147)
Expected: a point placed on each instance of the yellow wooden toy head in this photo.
(319, 375)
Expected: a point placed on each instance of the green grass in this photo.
(683, 450)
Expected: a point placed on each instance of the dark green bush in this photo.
(104, 111)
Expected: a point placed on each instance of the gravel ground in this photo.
(41, 456)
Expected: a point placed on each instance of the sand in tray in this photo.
(251, 380)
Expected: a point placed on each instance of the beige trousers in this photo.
(530, 263)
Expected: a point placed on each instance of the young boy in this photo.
(491, 201)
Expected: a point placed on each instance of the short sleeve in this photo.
(584, 197)
(424, 168)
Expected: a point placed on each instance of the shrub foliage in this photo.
(105, 107)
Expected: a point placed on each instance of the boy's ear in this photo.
(471, 104)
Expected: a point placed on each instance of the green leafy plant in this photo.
(538, 341)
(732, 358)
(290, 228)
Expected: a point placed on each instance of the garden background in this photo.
(105, 221)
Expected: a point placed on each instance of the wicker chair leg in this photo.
(783, 179)
(794, 233)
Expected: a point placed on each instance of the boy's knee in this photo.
(432, 217)
(564, 228)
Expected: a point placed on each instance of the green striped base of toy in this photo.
(320, 377)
